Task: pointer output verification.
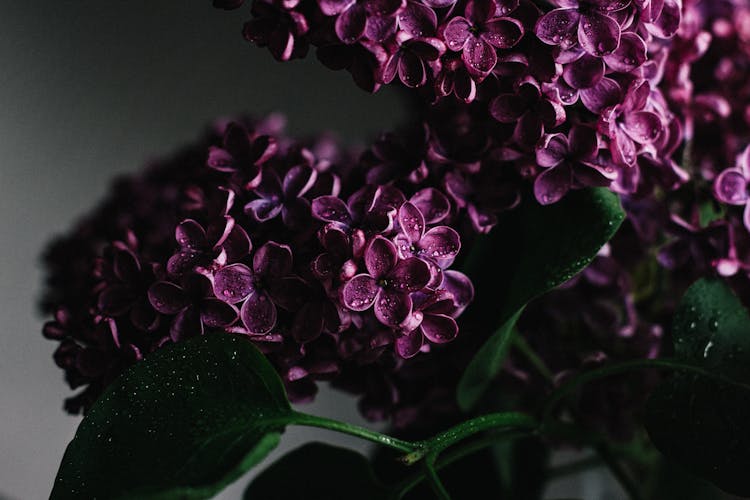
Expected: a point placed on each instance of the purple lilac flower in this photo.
(242, 154)
(585, 22)
(480, 33)
(357, 18)
(387, 285)
(569, 162)
(283, 197)
(411, 60)
(731, 186)
(193, 306)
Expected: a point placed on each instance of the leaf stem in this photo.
(626, 366)
(434, 479)
(534, 359)
(468, 428)
(303, 419)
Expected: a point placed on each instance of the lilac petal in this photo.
(263, 209)
(439, 328)
(503, 32)
(479, 56)
(143, 316)
(411, 221)
(220, 159)
(190, 234)
(383, 7)
(298, 181)
(331, 209)
(186, 324)
(598, 33)
(411, 70)
(439, 4)
(333, 7)
(417, 19)
(380, 257)
(308, 323)
(459, 286)
(456, 33)
(409, 275)
(552, 151)
(272, 260)
(583, 142)
(604, 94)
(432, 204)
(350, 25)
(262, 149)
(746, 217)
(233, 283)
(481, 220)
(392, 307)
(237, 245)
(528, 129)
(380, 28)
(427, 49)
(552, 184)
(360, 292)
(183, 261)
(389, 70)
(126, 265)
(622, 147)
(289, 293)
(296, 213)
(629, 55)
(508, 108)
(440, 242)
(731, 187)
(552, 112)
(115, 300)
(218, 314)
(669, 20)
(643, 127)
(584, 73)
(281, 44)
(558, 27)
(409, 345)
(464, 86)
(166, 297)
(258, 313)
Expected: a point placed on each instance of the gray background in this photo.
(89, 89)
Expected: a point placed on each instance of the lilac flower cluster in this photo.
(575, 88)
(271, 239)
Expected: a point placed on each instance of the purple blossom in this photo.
(585, 22)
(437, 246)
(569, 162)
(242, 155)
(531, 110)
(435, 324)
(268, 284)
(285, 198)
(480, 33)
(731, 186)
(193, 306)
(631, 123)
(387, 284)
(282, 30)
(411, 59)
(358, 18)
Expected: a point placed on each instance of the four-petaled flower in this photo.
(193, 306)
(480, 33)
(732, 186)
(242, 155)
(388, 283)
(270, 283)
(283, 198)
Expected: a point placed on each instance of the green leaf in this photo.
(533, 250)
(486, 364)
(183, 423)
(700, 422)
(318, 471)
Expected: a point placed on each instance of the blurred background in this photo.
(90, 89)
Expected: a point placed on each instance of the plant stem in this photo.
(532, 357)
(468, 428)
(306, 420)
(626, 366)
(434, 479)
(456, 454)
